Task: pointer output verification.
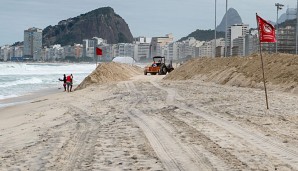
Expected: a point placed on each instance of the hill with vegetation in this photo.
(207, 35)
(288, 23)
(102, 22)
(204, 35)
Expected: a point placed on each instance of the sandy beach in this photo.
(130, 121)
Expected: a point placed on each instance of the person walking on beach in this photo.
(69, 82)
(64, 81)
(71, 76)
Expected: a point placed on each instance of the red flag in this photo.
(266, 30)
(98, 51)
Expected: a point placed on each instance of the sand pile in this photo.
(281, 71)
(110, 72)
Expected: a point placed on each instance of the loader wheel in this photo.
(162, 70)
(145, 72)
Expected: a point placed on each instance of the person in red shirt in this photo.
(69, 82)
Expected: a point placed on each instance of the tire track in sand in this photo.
(82, 143)
(274, 148)
(170, 151)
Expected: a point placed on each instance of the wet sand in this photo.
(29, 97)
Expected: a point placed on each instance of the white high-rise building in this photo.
(239, 46)
(173, 51)
(141, 51)
(141, 48)
(5, 53)
(125, 50)
(89, 46)
(157, 44)
(188, 47)
(206, 50)
(142, 39)
(234, 32)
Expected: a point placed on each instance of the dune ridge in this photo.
(281, 71)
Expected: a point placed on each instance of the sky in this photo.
(145, 18)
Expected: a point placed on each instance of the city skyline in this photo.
(148, 19)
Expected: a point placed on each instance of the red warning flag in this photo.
(266, 30)
(98, 51)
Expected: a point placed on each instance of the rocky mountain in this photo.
(290, 14)
(101, 22)
(233, 18)
(206, 35)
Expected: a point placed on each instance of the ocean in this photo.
(18, 79)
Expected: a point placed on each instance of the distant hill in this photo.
(233, 18)
(290, 14)
(288, 23)
(102, 22)
(204, 35)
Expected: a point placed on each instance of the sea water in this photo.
(17, 79)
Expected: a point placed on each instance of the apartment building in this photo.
(287, 40)
(109, 51)
(33, 43)
(251, 43)
(125, 50)
(238, 48)
(5, 53)
(173, 51)
(188, 49)
(157, 44)
(89, 46)
(141, 51)
(207, 48)
(141, 48)
(220, 47)
(57, 52)
(142, 39)
(18, 51)
(235, 31)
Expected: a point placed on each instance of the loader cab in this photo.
(158, 60)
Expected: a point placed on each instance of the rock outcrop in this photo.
(233, 18)
(102, 22)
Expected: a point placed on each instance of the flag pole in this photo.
(96, 60)
(215, 30)
(264, 80)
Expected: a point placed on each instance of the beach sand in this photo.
(28, 97)
(138, 122)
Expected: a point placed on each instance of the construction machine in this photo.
(158, 66)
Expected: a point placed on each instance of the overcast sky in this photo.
(144, 17)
